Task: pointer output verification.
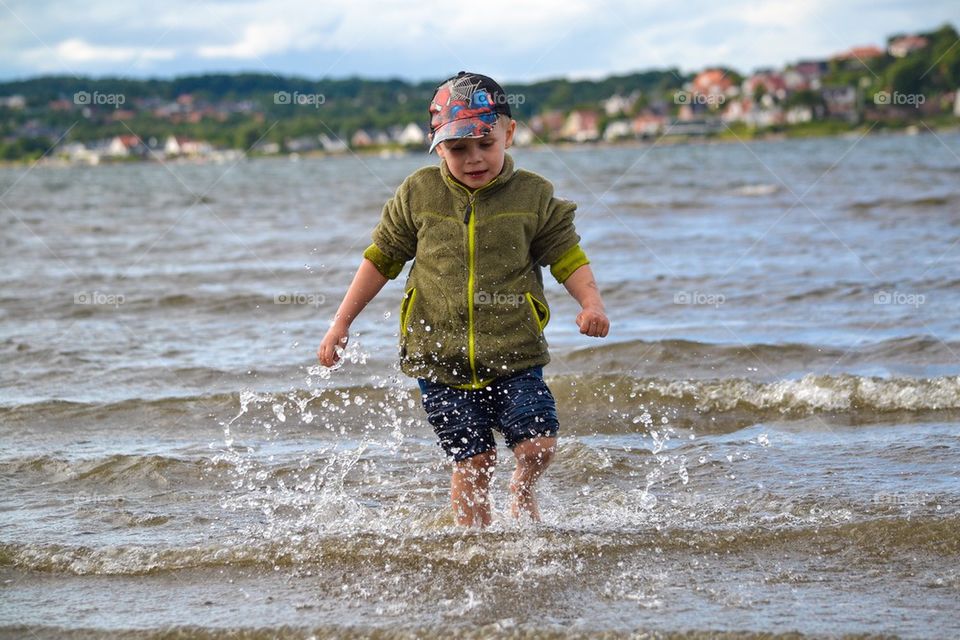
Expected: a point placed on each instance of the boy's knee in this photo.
(479, 464)
(535, 451)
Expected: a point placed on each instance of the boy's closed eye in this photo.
(484, 144)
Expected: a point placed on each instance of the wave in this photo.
(360, 551)
(919, 202)
(118, 470)
(703, 405)
(756, 190)
(913, 348)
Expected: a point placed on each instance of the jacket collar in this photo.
(494, 185)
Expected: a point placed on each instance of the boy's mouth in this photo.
(475, 174)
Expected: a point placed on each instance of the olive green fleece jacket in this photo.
(473, 308)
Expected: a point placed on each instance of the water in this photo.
(767, 442)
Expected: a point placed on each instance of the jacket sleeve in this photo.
(394, 237)
(556, 243)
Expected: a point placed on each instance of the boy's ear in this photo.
(511, 128)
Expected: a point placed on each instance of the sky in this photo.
(511, 40)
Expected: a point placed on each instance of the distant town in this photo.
(910, 81)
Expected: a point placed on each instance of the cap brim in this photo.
(465, 128)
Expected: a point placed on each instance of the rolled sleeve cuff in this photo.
(573, 259)
(388, 267)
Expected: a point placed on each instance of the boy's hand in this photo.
(593, 322)
(337, 336)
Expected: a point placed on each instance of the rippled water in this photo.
(767, 442)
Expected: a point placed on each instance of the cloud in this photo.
(518, 40)
(74, 54)
(259, 40)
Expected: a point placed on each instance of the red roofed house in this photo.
(712, 82)
(901, 47)
(122, 146)
(860, 53)
(773, 85)
(581, 125)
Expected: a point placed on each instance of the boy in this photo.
(473, 313)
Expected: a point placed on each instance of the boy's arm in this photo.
(593, 319)
(365, 286)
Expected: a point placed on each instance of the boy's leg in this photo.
(463, 424)
(527, 414)
(470, 489)
(533, 457)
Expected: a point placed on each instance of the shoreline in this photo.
(729, 136)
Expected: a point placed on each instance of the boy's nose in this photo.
(474, 156)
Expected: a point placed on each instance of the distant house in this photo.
(332, 144)
(769, 82)
(581, 125)
(124, 146)
(737, 110)
(523, 136)
(858, 57)
(648, 124)
(15, 101)
(618, 104)
(712, 82)
(617, 130)
(301, 144)
(799, 114)
(181, 146)
(411, 135)
(79, 152)
(860, 53)
(902, 47)
(548, 123)
(361, 138)
(754, 114)
(841, 102)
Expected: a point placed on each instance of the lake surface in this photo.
(767, 442)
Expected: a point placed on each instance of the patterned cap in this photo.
(466, 106)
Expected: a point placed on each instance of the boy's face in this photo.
(477, 161)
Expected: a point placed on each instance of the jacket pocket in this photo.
(539, 310)
(409, 296)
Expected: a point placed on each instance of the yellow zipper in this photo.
(471, 245)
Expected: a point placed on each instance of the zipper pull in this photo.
(466, 216)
